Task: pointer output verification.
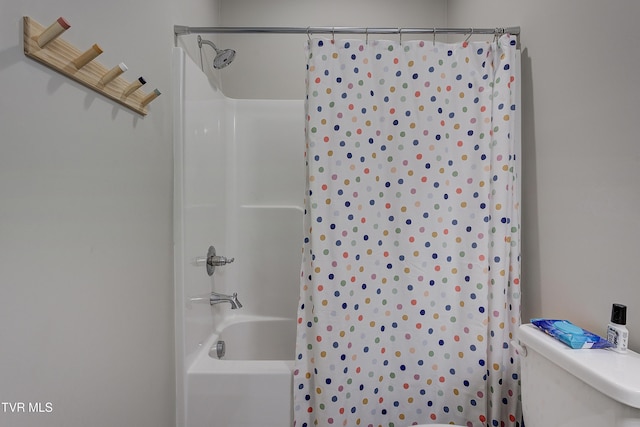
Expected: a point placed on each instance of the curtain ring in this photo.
(333, 34)
(434, 36)
(366, 35)
(400, 35)
(309, 33)
(469, 36)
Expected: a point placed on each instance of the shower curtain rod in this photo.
(181, 30)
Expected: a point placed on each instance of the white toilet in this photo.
(562, 387)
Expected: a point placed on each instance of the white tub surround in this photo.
(239, 185)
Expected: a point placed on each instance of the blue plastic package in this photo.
(570, 334)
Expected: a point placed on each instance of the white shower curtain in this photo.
(411, 261)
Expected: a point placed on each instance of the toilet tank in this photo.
(563, 387)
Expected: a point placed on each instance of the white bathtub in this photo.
(256, 338)
(251, 386)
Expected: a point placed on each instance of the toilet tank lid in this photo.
(616, 375)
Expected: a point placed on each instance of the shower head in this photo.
(223, 57)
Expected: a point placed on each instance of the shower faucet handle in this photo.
(211, 261)
(219, 260)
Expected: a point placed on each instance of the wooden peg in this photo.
(52, 32)
(135, 85)
(87, 56)
(147, 99)
(113, 73)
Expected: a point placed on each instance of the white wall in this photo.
(273, 66)
(86, 286)
(580, 152)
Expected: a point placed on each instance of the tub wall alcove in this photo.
(238, 185)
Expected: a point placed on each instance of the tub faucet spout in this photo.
(217, 298)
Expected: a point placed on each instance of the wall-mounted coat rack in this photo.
(45, 46)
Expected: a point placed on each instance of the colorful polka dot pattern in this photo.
(411, 262)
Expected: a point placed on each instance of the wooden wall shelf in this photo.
(66, 59)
